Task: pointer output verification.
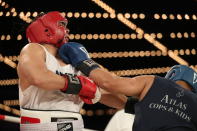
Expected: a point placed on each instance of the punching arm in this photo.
(113, 100)
(76, 55)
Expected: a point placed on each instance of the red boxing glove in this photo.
(88, 87)
(97, 97)
(84, 87)
(89, 93)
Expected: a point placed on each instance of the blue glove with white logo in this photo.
(76, 54)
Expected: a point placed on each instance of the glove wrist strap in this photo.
(72, 85)
(130, 105)
(87, 66)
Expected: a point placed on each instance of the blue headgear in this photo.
(184, 73)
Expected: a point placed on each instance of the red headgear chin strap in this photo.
(46, 29)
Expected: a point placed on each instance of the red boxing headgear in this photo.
(48, 29)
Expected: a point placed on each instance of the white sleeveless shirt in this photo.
(40, 99)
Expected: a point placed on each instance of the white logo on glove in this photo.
(85, 51)
(195, 78)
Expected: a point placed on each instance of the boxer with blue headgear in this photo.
(184, 73)
(165, 104)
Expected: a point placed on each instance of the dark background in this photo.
(14, 26)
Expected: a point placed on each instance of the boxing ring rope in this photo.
(7, 117)
(10, 118)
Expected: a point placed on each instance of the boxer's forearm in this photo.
(115, 84)
(113, 100)
(102, 78)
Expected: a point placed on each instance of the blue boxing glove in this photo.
(76, 54)
(73, 53)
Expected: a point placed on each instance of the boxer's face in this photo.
(64, 24)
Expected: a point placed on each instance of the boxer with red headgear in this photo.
(49, 29)
(51, 92)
